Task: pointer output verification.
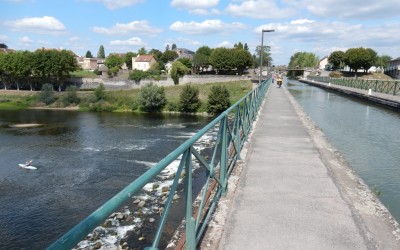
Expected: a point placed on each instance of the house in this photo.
(323, 62)
(393, 69)
(168, 67)
(184, 53)
(143, 62)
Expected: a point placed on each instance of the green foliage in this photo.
(156, 53)
(137, 75)
(100, 92)
(114, 63)
(88, 54)
(302, 60)
(172, 106)
(383, 61)
(241, 59)
(218, 100)
(221, 59)
(336, 58)
(128, 59)
(266, 55)
(47, 94)
(335, 74)
(102, 106)
(185, 61)
(357, 58)
(101, 53)
(168, 55)
(189, 100)
(70, 96)
(152, 98)
(178, 70)
(142, 51)
(200, 58)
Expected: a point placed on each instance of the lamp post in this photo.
(262, 52)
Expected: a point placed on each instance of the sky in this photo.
(320, 27)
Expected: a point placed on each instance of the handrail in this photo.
(231, 137)
(381, 86)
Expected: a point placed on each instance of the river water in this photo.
(83, 159)
(366, 135)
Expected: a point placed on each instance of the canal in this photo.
(83, 159)
(366, 135)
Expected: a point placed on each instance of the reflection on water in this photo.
(83, 159)
(368, 137)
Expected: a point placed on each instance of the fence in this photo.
(234, 126)
(387, 87)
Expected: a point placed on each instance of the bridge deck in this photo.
(294, 192)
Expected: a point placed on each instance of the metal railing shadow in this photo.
(234, 126)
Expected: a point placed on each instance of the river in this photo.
(83, 159)
(366, 135)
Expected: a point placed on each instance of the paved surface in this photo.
(287, 197)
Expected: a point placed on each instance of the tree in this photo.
(246, 47)
(3, 46)
(100, 92)
(47, 94)
(152, 98)
(238, 46)
(137, 75)
(114, 63)
(128, 59)
(173, 47)
(167, 47)
(302, 60)
(142, 51)
(383, 61)
(200, 58)
(336, 59)
(101, 53)
(189, 100)
(218, 100)
(221, 59)
(241, 59)
(186, 61)
(88, 54)
(267, 59)
(169, 56)
(178, 70)
(357, 58)
(156, 53)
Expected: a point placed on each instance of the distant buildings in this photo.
(394, 68)
(323, 62)
(143, 62)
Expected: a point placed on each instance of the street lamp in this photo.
(262, 52)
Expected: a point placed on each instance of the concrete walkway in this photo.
(288, 198)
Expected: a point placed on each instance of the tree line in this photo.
(36, 68)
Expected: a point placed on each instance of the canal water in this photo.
(83, 159)
(366, 135)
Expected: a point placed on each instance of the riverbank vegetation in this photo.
(178, 98)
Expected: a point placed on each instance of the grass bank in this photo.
(121, 100)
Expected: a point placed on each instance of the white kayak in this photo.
(27, 167)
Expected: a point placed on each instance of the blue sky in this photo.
(319, 26)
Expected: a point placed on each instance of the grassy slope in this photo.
(23, 99)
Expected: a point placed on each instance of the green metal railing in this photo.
(380, 86)
(234, 126)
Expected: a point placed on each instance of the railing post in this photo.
(190, 221)
(223, 162)
(395, 87)
(238, 143)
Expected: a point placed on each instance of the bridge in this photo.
(274, 182)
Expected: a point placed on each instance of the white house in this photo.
(143, 62)
(323, 62)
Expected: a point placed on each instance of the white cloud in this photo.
(141, 27)
(260, 9)
(134, 41)
(3, 38)
(41, 25)
(74, 39)
(225, 44)
(194, 4)
(344, 9)
(206, 27)
(205, 12)
(116, 4)
(25, 40)
(302, 21)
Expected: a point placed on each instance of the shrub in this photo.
(189, 100)
(100, 92)
(218, 100)
(102, 107)
(172, 106)
(335, 74)
(70, 96)
(137, 75)
(47, 94)
(152, 98)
